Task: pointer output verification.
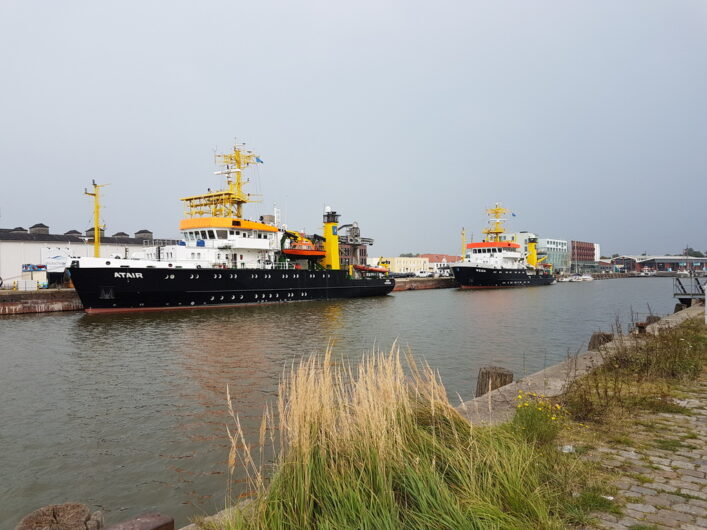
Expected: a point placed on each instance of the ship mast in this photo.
(494, 231)
(96, 217)
(227, 202)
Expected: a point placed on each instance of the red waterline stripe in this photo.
(164, 308)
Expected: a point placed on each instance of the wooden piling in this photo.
(491, 378)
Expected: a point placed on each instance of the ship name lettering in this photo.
(128, 275)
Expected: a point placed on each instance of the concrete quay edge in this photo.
(498, 406)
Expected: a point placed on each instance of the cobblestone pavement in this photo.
(661, 470)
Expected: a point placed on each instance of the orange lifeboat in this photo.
(303, 249)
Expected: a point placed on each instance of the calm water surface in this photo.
(127, 411)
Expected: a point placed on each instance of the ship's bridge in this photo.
(237, 233)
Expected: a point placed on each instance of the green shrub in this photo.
(537, 419)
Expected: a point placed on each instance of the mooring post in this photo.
(491, 378)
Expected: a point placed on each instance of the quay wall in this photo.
(43, 301)
(415, 284)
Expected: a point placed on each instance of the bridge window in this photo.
(211, 234)
(222, 234)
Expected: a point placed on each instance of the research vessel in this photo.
(225, 259)
(495, 262)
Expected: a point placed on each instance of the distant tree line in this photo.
(409, 255)
(689, 251)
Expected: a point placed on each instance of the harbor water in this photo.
(127, 412)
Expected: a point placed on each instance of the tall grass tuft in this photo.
(378, 445)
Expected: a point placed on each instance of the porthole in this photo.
(192, 303)
(221, 297)
(196, 276)
(241, 297)
(233, 297)
(256, 296)
(171, 276)
(107, 262)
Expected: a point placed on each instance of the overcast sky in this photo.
(587, 119)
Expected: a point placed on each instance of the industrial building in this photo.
(557, 252)
(36, 246)
(439, 263)
(660, 264)
(403, 265)
(584, 257)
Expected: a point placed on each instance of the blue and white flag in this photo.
(258, 160)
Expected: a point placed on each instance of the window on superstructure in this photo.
(211, 234)
(222, 234)
(203, 234)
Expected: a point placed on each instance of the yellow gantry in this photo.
(497, 227)
(228, 202)
(96, 217)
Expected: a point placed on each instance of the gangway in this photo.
(688, 289)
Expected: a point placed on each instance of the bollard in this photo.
(491, 378)
(146, 521)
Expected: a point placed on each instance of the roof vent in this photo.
(39, 228)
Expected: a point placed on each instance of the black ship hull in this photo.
(125, 289)
(487, 277)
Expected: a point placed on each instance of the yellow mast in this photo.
(228, 202)
(96, 217)
(463, 243)
(497, 228)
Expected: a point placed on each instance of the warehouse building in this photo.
(36, 246)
